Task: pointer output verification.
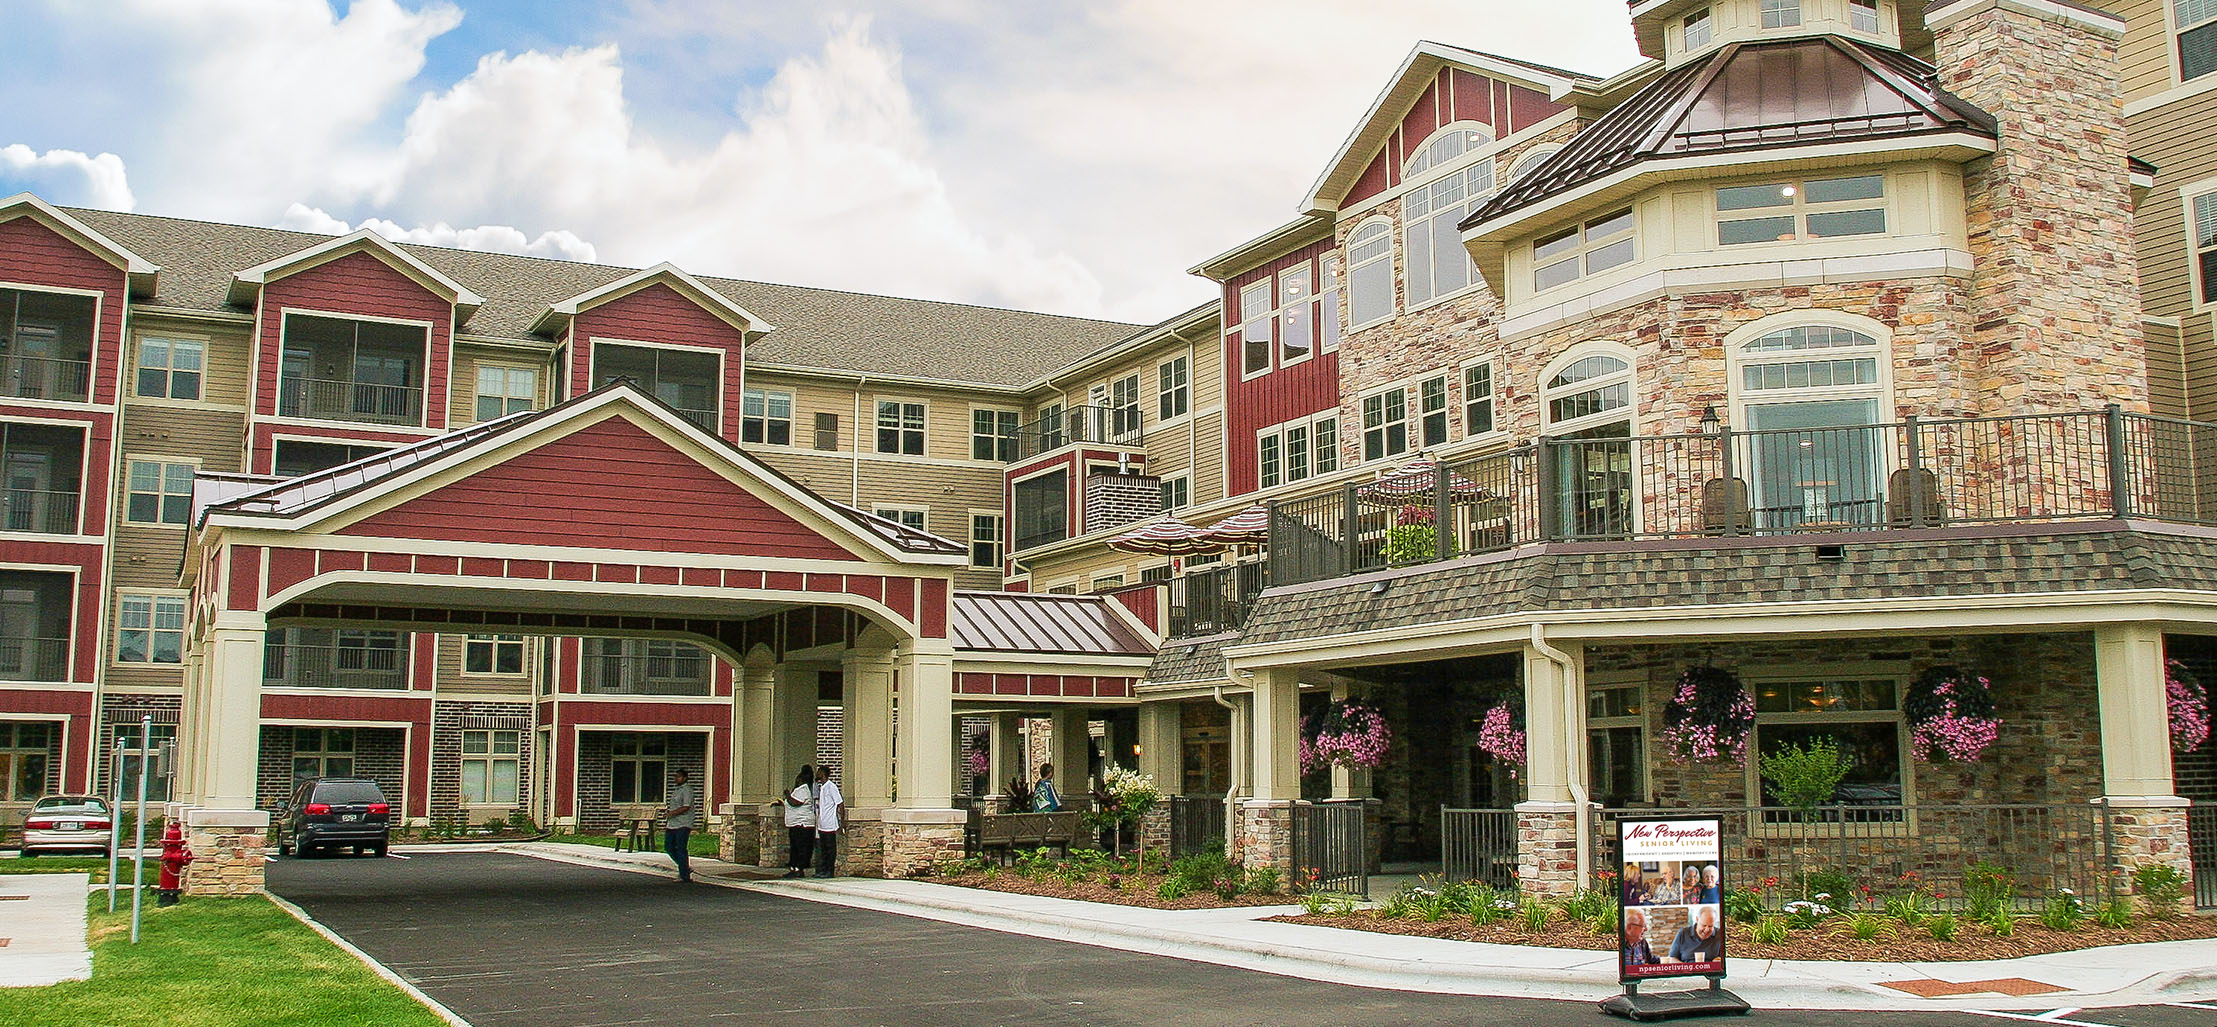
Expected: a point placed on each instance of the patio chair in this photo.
(1913, 497)
(1724, 507)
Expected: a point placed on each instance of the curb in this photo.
(380, 969)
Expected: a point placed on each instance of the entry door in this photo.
(1593, 472)
(1818, 464)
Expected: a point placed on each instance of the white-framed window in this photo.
(1698, 29)
(1297, 450)
(322, 752)
(910, 516)
(1370, 273)
(1173, 389)
(1477, 398)
(1431, 402)
(490, 765)
(1616, 749)
(358, 649)
(171, 368)
(1808, 398)
(1859, 713)
(1257, 314)
(492, 654)
(1177, 492)
(504, 389)
(158, 492)
(1528, 160)
(1591, 387)
(1327, 302)
(131, 753)
(1863, 15)
(1584, 249)
(1297, 316)
(1054, 430)
(1586, 399)
(1779, 14)
(985, 540)
(688, 378)
(900, 427)
(2195, 21)
(150, 628)
(1819, 208)
(993, 433)
(1124, 404)
(1432, 248)
(1386, 424)
(638, 766)
(26, 754)
(766, 417)
(1107, 581)
(2201, 241)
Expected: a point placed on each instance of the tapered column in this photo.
(2147, 817)
(1160, 724)
(1274, 723)
(926, 729)
(1071, 744)
(1549, 832)
(866, 751)
(232, 710)
(1348, 782)
(795, 699)
(756, 770)
(1008, 752)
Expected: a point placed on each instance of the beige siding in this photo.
(831, 477)
(2177, 139)
(212, 437)
(2199, 341)
(2166, 372)
(1208, 464)
(812, 396)
(947, 494)
(462, 379)
(451, 678)
(2144, 56)
(224, 380)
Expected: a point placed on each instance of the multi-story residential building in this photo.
(1802, 351)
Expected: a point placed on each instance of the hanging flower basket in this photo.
(1951, 715)
(1709, 718)
(2189, 705)
(1501, 734)
(1347, 733)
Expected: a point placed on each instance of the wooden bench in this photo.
(638, 827)
(1008, 833)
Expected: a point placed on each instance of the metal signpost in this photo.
(1670, 918)
(138, 845)
(115, 812)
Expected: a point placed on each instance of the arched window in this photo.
(1532, 158)
(1370, 273)
(1807, 399)
(1587, 402)
(1437, 263)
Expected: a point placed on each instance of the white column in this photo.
(1070, 744)
(794, 698)
(1274, 721)
(1554, 724)
(755, 778)
(232, 710)
(1160, 738)
(1348, 782)
(2135, 714)
(187, 786)
(867, 746)
(926, 726)
(1008, 752)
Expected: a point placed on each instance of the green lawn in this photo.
(97, 866)
(702, 844)
(212, 962)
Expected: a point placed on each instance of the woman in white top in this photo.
(800, 824)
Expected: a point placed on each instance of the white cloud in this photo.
(560, 245)
(70, 176)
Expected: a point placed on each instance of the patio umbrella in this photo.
(1165, 535)
(1249, 527)
(1414, 483)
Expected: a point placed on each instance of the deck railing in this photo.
(1082, 425)
(28, 377)
(335, 666)
(338, 400)
(1213, 599)
(1914, 474)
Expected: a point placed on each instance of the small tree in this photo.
(1123, 798)
(1805, 777)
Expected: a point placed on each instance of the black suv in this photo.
(333, 812)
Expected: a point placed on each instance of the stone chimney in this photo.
(2055, 292)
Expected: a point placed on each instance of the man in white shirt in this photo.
(677, 830)
(831, 808)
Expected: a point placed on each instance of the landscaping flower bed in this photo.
(1203, 881)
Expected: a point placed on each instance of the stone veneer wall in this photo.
(448, 720)
(230, 850)
(1265, 835)
(2056, 299)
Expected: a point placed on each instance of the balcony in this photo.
(1213, 599)
(1916, 475)
(1076, 426)
(635, 667)
(34, 659)
(55, 378)
(361, 402)
(45, 511)
(315, 658)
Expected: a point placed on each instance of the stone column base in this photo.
(919, 840)
(2151, 829)
(773, 844)
(1265, 835)
(1547, 849)
(862, 843)
(737, 832)
(1153, 830)
(230, 848)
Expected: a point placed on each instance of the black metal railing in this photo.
(2201, 846)
(1331, 846)
(1914, 474)
(1088, 425)
(1196, 822)
(1214, 599)
(2048, 850)
(363, 402)
(47, 511)
(308, 665)
(26, 377)
(1479, 845)
(34, 659)
(629, 670)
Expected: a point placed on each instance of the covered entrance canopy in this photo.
(609, 514)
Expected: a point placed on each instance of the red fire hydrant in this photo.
(175, 857)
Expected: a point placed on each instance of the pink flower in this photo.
(1499, 736)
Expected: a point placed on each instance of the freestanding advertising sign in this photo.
(1670, 917)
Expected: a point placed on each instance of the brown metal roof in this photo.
(1753, 96)
(1033, 622)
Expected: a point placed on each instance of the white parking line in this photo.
(2191, 1005)
(395, 855)
(2052, 1016)
(2057, 1014)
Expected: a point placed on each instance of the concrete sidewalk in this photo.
(42, 929)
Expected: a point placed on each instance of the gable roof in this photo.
(1752, 96)
(141, 273)
(1034, 622)
(817, 329)
(249, 281)
(293, 498)
(560, 311)
(1409, 82)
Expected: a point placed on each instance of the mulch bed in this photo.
(1136, 891)
(1971, 943)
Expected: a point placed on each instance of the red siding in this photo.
(610, 486)
(660, 314)
(1050, 686)
(77, 708)
(1281, 395)
(35, 255)
(412, 710)
(1143, 600)
(1374, 180)
(1423, 116)
(360, 284)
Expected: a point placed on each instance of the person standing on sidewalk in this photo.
(800, 824)
(677, 830)
(831, 806)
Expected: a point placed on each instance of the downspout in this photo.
(1578, 794)
(854, 461)
(1240, 744)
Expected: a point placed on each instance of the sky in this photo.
(1037, 154)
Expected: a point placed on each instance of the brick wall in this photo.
(595, 769)
(124, 711)
(830, 728)
(1113, 500)
(380, 754)
(448, 721)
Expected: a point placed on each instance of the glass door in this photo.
(1815, 465)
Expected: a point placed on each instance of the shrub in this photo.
(2001, 923)
(1908, 907)
(2064, 912)
(1262, 881)
(1805, 912)
(1865, 925)
(1172, 889)
(1805, 777)
(1825, 885)
(1588, 904)
(1769, 930)
(1744, 905)
(2116, 914)
(1988, 888)
(1535, 915)
(1399, 904)
(1202, 870)
(1604, 920)
(1489, 906)
(1315, 902)
(2160, 886)
(1941, 926)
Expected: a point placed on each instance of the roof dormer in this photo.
(247, 285)
(1677, 31)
